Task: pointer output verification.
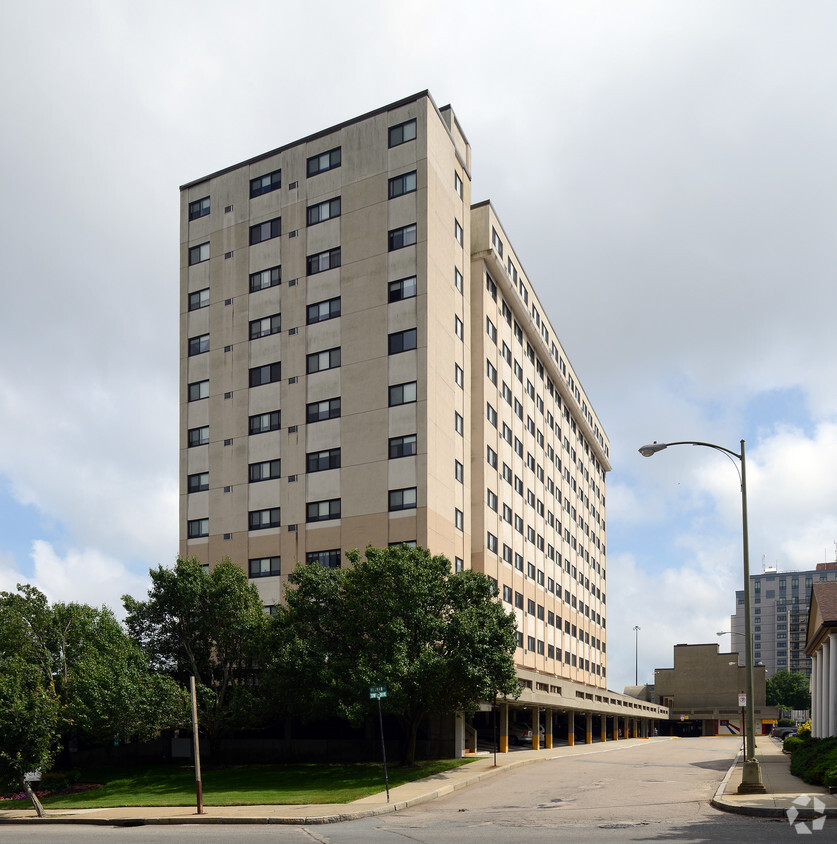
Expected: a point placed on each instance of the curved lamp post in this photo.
(751, 775)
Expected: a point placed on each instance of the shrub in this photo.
(54, 781)
(804, 731)
(786, 722)
(830, 778)
(791, 743)
(811, 759)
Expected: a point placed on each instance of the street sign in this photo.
(742, 700)
(377, 692)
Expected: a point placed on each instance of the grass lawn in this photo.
(236, 785)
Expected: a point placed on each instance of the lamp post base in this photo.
(751, 779)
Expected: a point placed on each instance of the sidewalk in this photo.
(783, 789)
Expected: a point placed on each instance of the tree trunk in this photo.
(33, 798)
(410, 734)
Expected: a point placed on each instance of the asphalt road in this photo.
(656, 790)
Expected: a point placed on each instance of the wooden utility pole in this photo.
(197, 746)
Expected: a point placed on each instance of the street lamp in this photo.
(637, 628)
(751, 776)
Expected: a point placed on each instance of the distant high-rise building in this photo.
(780, 601)
(364, 360)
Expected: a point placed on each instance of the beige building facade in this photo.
(365, 361)
(702, 693)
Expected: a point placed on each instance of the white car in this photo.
(520, 733)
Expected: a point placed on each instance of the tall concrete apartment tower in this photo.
(780, 601)
(364, 360)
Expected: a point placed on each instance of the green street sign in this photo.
(377, 692)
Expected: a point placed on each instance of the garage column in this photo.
(588, 738)
(504, 728)
(547, 739)
(604, 727)
(570, 728)
(536, 728)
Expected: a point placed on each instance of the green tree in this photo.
(210, 625)
(788, 690)
(79, 674)
(29, 725)
(439, 642)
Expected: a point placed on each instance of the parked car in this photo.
(783, 732)
(520, 733)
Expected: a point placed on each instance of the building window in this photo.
(197, 527)
(198, 482)
(265, 231)
(400, 185)
(458, 519)
(491, 457)
(319, 411)
(268, 374)
(263, 422)
(321, 311)
(198, 345)
(323, 511)
(327, 559)
(265, 184)
(491, 414)
(265, 567)
(457, 184)
(199, 208)
(401, 237)
(404, 288)
(402, 341)
(198, 436)
(496, 242)
(323, 211)
(491, 499)
(491, 543)
(457, 232)
(320, 461)
(265, 326)
(320, 361)
(458, 327)
(198, 390)
(323, 261)
(405, 446)
(199, 299)
(459, 375)
(265, 278)
(402, 132)
(402, 499)
(458, 471)
(458, 423)
(457, 279)
(267, 470)
(402, 393)
(198, 254)
(263, 519)
(324, 161)
(491, 372)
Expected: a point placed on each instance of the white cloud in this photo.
(83, 576)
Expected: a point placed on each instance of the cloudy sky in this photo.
(666, 171)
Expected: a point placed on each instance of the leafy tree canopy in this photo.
(788, 690)
(72, 670)
(439, 642)
(210, 625)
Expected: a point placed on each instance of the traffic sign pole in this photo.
(378, 692)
